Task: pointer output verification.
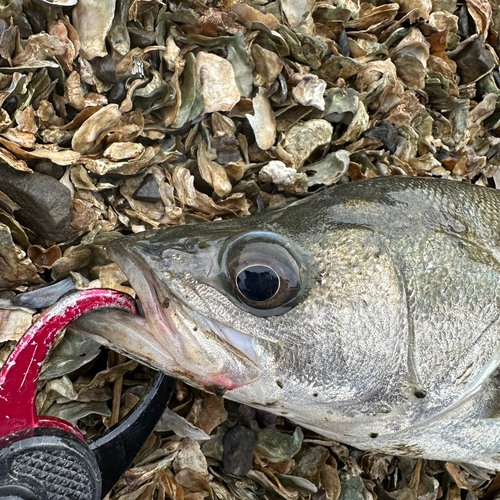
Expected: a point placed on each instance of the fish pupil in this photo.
(258, 283)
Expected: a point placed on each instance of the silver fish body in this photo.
(369, 313)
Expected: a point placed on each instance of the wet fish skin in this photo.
(393, 340)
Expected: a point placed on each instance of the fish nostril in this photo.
(420, 393)
(190, 245)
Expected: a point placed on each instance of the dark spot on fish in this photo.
(166, 304)
(280, 384)
(315, 394)
(195, 329)
(373, 435)
(203, 244)
(271, 404)
(460, 244)
(419, 393)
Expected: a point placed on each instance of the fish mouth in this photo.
(206, 352)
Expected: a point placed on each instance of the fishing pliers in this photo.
(46, 458)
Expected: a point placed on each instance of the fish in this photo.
(368, 313)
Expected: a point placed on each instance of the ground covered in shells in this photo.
(118, 116)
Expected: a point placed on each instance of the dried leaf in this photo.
(263, 122)
(212, 172)
(92, 20)
(302, 140)
(184, 185)
(207, 412)
(247, 15)
(190, 457)
(118, 151)
(328, 170)
(330, 481)
(11, 160)
(170, 421)
(287, 178)
(481, 12)
(72, 412)
(110, 375)
(72, 352)
(15, 267)
(277, 446)
(295, 10)
(268, 66)
(58, 156)
(103, 120)
(217, 82)
(44, 258)
(13, 323)
(309, 92)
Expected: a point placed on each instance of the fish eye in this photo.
(263, 273)
(258, 283)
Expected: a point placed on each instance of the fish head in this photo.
(293, 305)
(194, 280)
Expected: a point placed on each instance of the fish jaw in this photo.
(130, 335)
(205, 352)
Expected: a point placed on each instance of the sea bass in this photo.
(369, 313)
